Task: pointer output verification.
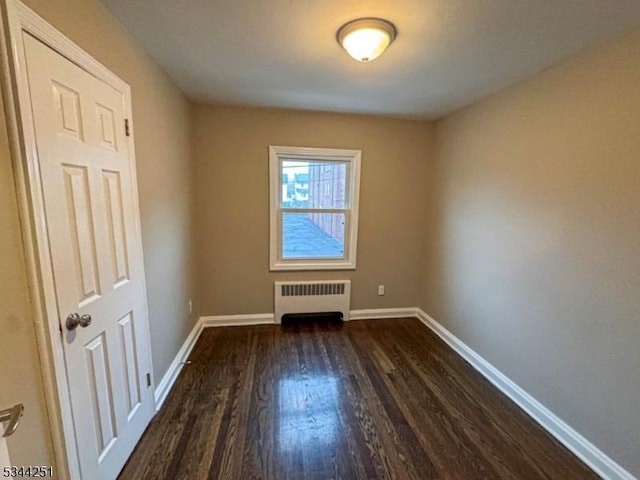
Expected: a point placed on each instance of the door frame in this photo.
(17, 19)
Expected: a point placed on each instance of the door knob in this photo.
(85, 320)
(74, 319)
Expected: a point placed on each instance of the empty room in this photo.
(338, 239)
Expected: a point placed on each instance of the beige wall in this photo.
(535, 261)
(231, 154)
(161, 125)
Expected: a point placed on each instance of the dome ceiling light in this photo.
(366, 38)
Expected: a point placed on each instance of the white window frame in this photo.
(279, 153)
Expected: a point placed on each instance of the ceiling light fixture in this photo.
(366, 38)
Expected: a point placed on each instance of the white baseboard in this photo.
(237, 320)
(377, 313)
(268, 318)
(591, 455)
(165, 385)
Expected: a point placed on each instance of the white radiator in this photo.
(312, 297)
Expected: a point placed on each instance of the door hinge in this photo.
(148, 379)
(126, 127)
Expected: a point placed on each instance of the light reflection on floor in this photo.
(307, 412)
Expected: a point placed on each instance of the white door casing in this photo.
(5, 461)
(88, 188)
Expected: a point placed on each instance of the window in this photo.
(314, 208)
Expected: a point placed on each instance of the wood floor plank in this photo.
(319, 399)
(362, 459)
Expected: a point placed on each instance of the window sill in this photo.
(309, 266)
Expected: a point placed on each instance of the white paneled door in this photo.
(85, 169)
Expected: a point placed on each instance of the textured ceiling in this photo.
(283, 53)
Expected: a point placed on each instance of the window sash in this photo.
(348, 195)
(314, 210)
(347, 232)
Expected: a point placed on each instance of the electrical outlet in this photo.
(190, 307)
(380, 290)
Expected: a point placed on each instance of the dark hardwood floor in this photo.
(321, 400)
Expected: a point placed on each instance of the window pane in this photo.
(314, 184)
(312, 235)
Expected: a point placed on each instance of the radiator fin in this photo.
(312, 289)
